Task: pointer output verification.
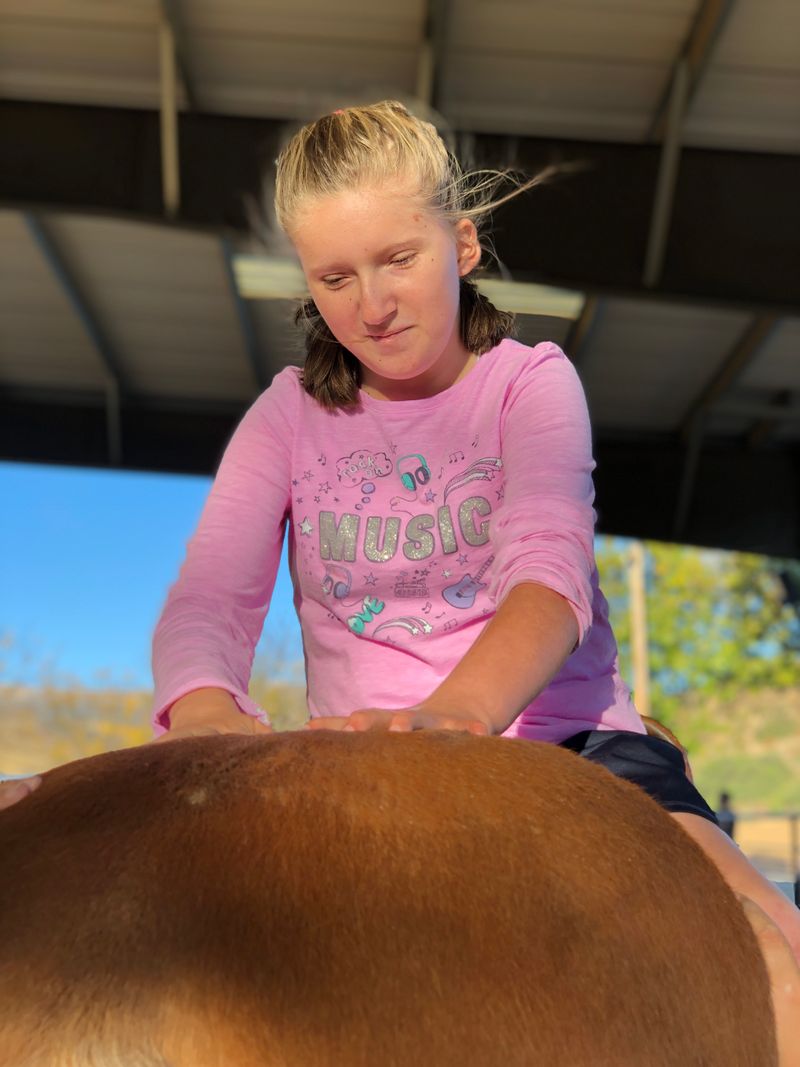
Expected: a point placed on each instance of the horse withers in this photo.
(368, 900)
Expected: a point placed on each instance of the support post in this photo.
(638, 609)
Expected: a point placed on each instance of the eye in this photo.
(404, 261)
(335, 282)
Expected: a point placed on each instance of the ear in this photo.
(468, 247)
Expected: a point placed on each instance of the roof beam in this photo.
(88, 319)
(778, 412)
(106, 160)
(696, 52)
(431, 53)
(171, 13)
(732, 366)
(691, 462)
(245, 317)
(170, 166)
(667, 124)
(667, 178)
(581, 328)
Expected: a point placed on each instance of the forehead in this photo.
(361, 217)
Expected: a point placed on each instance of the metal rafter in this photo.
(667, 124)
(580, 330)
(777, 412)
(88, 319)
(696, 52)
(431, 53)
(172, 15)
(691, 462)
(695, 423)
(667, 178)
(245, 317)
(732, 366)
(170, 165)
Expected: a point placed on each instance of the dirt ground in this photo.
(767, 843)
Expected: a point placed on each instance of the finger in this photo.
(261, 727)
(181, 732)
(404, 722)
(472, 726)
(11, 792)
(368, 719)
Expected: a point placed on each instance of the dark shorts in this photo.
(654, 765)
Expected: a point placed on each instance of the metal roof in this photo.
(124, 320)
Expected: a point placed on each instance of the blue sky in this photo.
(86, 559)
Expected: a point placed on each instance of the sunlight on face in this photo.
(384, 273)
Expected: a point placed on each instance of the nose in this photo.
(378, 304)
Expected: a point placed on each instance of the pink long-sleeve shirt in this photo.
(408, 522)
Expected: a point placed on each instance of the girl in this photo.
(435, 477)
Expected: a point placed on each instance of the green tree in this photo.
(719, 623)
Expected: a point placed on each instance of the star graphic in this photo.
(430, 496)
(299, 499)
(462, 558)
(426, 626)
(305, 527)
(307, 476)
(501, 493)
(325, 487)
(336, 500)
(370, 579)
(295, 481)
(393, 449)
(446, 574)
(317, 499)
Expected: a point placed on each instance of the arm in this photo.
(512, 661)
(543, 538)
(209, 711)
(206, 636)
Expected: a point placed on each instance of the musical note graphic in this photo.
(440, 616)
(456, 456)
(428, 607)
(322, 461)
(475, 441)
(441, 472)
(450, 624)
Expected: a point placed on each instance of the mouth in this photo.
(387, 336)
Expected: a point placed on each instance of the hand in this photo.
(401, 720)
(11, 792)
(248, 725)
(207, 712)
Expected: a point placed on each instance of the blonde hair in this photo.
(367, 146)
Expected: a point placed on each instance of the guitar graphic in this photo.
(463, 593)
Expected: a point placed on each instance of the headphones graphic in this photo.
(340, 589)
(421, 475)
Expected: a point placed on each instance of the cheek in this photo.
(336, 312)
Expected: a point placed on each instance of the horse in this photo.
(368, 899)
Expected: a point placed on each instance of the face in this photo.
(384, 273)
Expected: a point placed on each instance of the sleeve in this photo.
(544, 530)
(214, 613)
